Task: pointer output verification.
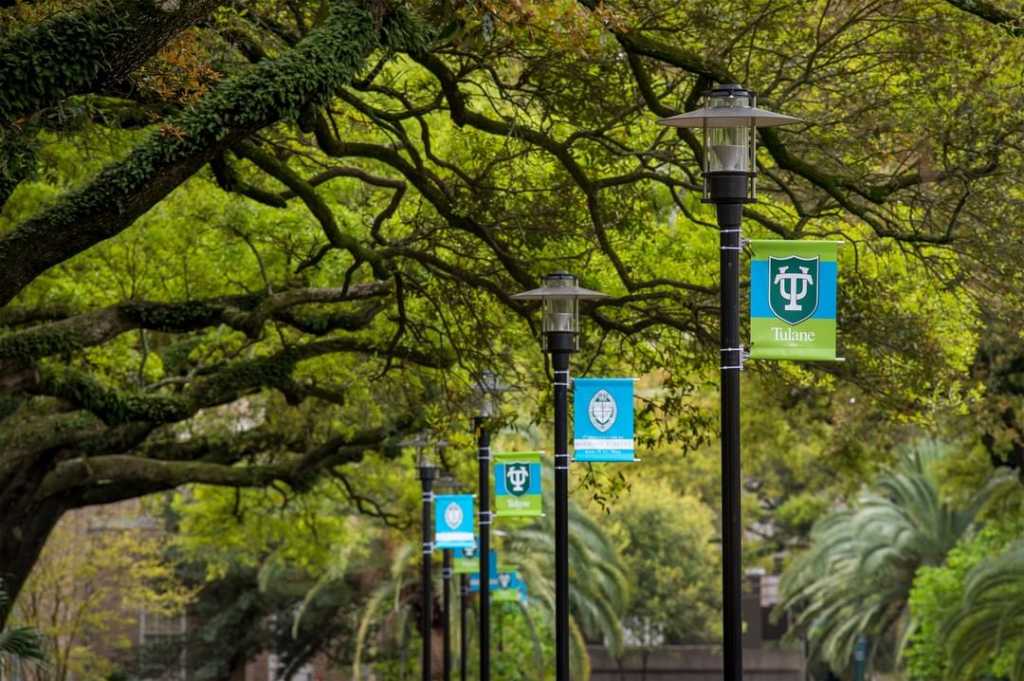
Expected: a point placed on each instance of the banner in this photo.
(793, 300)
(505, 589)
(603, 413)
(517, 484)
(466, 561)
(453, 521)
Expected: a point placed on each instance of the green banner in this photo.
(517, 484)
(793, 300)
(506, 588)
(465, 561)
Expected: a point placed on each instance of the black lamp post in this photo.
(729, 121)
(446, 580)
(489, 389)
(446, 599)
(561, 295)
(427, 475)
(463, 635)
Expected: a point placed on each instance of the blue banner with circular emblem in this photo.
(453, 521)
(603, 413)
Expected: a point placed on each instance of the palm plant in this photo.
(21, 644)
(600, 589)
(598, 598)
(989, 621)
(856, 577)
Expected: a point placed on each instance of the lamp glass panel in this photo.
(561, 315)
(730, 149)
(488, 389)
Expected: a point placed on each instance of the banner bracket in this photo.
(741, 356)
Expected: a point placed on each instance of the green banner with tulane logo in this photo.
(517, 484)
(793, 300)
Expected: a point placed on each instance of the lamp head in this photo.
(561, 295)
(729, 122)
(489, 388)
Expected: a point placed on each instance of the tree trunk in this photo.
(23, 534)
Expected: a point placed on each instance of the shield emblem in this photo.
(793, 288)
(504, 579)
(517, 479)
(602, 411)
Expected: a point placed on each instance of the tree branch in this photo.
(258, 97)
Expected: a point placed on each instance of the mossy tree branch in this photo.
(988, 11)
(221, 386)
(247, 314)
(265, 93)
(172, 463)
(82, 51)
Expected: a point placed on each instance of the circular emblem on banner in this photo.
(602, 410)
(453, 515)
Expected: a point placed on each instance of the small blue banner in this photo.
(517, 480)
(453, 521)
(507, 590)
(504, 586)
(603, 413)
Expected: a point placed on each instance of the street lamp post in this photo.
(489, 389)
(446, 581)
(463, 635)
(427, 475)
(561, 295)
(728, 122)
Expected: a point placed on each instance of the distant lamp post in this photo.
(488, 394)
(447, 481)
(561, 296)
(729, 122)
(427, 474)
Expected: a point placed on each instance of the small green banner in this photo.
(506, 590)
(466, 561)
(793, 300)
(517, 484)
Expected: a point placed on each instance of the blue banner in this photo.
(517, 479)
(507, 588)
(453, 521)
(603, 413)
(504, 586)
(793, 300)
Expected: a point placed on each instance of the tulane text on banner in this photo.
(603, 416)
(793, 300)
(517, 484)
(453, 521)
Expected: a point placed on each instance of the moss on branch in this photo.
(112, 406)
(246, 313)
(261, 95)
(78, 52)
